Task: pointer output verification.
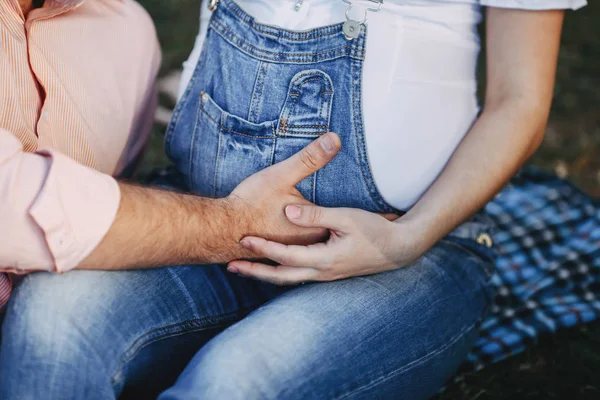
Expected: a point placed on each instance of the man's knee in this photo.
(54, 317)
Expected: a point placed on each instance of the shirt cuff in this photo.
(74, 209)
(536, 4)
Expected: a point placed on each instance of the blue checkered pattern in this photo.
(548, 269)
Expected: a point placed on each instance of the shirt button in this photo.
(298, 5)
(485, 239)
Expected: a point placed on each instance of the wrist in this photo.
(229, 226)
(414, 236)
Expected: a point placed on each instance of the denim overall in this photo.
(259, 94)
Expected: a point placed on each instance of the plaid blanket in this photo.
(548, 269)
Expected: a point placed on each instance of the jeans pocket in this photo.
(484, 256)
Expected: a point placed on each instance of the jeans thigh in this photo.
(399, 334)
(88, 333)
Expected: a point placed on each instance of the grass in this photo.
(566, 366)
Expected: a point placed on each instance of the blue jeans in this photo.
(97, 335)
(259, 94)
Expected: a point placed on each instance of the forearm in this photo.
(502, 139)
(522, 53)
(156, 228)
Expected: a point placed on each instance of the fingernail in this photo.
(327, 143)
(233, 269)
(293, 212)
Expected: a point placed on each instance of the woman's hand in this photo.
(360, 243)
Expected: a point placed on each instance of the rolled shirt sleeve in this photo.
(54, 211)
(536, 4)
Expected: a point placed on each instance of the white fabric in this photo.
(419, 82)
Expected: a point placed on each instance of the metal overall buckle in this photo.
(212, 4)
(351, 27)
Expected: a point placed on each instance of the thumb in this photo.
(311, 216)
(308, 160)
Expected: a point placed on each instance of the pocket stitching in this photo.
(314, 75)
(223, 127)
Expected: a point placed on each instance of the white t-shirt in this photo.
(419, 79)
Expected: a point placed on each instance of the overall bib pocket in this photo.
(226, 149)
(259, 95)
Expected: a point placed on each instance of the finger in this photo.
(313, 256)
(308, 160)
(389, 217)
(281, 275)
(310, 216)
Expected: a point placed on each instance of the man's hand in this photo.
(159, 228)
(360, 243)
(260, 200)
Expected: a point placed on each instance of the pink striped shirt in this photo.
(77, 100)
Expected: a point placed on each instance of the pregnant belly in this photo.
(412, 136)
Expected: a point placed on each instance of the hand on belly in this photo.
(258, 203)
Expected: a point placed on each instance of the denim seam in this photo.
(218, 158)
(359, 132)
(253, 106)
(228, 32)
(309, 126)
(223, 127)
(191, 166)
(272, 160)
(409, 366)
(178, 110)
(290, 58)
(365, 164)
(194, 325)
(287, 111)
(257, 91)
(472, 253)
(293, 92)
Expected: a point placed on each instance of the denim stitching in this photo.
(272, 160)
(308, 126)
(192, 166)
(218, 158)
(223, 127)
(257, 92)
(282, 33)
(178, 110)
(359, 149)
(366, 171)
(251, 110)
(478, 257)
(242, 42)
(184, 327)
(411, 365)
(324, 107)
(305, 58)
